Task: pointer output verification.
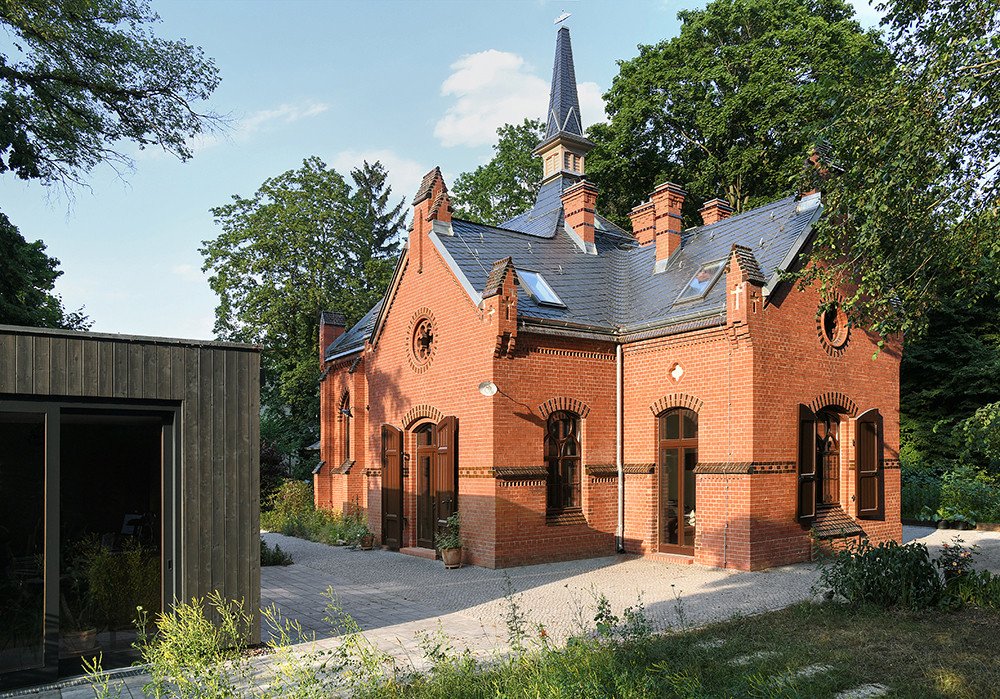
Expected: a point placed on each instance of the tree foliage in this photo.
(90, 74)
(507, 185)
(723, 108)
(303, 243)
(911, 169)
(947, 373)
(26, 283)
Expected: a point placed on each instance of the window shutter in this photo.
(392, 487)
(868, 463)
(446, 470)
(807, 464)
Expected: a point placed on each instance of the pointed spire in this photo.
(564, 104)
(563, 120)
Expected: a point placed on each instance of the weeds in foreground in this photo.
(616, 655)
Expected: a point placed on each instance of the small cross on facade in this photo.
(737, 290)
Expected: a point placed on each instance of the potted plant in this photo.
(367, 540)
(449, 542)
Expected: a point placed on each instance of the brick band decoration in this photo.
(520, 473)
(747, 467)
(676, 400)
(422, 411)
(641, 469)
(891, 464)
(837, 400)
(601, 470)
(343, 468)
(562, 403)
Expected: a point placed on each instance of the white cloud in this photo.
(493, 88)
(242, 129)
(404, 174)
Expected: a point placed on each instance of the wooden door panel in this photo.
(444, 485)
(392, 487)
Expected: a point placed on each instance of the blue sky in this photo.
(414, 83)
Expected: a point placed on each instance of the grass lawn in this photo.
(807, 650)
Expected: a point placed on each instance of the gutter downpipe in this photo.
(619, 410)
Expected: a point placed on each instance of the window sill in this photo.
(565, 518)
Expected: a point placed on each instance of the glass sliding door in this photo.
(22, 541)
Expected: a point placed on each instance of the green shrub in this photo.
(292, 512)
(976, 440)
(979, 587)
(886, 575)
(273, 557)
(972, 493)
(921, 487)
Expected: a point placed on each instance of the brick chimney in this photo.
(431, 204)
(667, 200)
(714, 211)
(580, 206)
(644, 223)
(331, 326)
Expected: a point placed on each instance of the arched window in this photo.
(827, 458)
(562, 461)
(345, 424)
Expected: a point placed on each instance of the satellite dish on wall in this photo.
(488, 388)
(563, 17)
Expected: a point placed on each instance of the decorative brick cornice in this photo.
(642, 469)
(746, 467)
(520, 473)
(835, 399)
(675, 400)
(419, 412)
(564, 403)
(563, 519)
(601, 470)
(343, 468)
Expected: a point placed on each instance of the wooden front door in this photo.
(392, 487)
(678, 455)
(445, 472)
(437, 477)
(426, 452)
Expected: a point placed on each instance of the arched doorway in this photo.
(677, 457)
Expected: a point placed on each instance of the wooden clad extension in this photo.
(214, 389)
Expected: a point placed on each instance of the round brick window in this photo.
(833, 329)
(423, 340)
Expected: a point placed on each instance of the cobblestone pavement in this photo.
(392, 596)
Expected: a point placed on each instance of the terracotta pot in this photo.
(452, 558)
(367, 542)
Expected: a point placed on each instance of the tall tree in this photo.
(89, 75)
(507, 185)
(947, 373)
(910, 172)
(26, 282)
(723, 108)
(304, 243)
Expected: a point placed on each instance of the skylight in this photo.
(539, 289)
(702, 281)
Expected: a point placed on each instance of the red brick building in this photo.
(573, 389)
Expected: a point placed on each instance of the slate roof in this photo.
(354, 339)
(616, 290)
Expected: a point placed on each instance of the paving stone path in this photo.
(392, 596)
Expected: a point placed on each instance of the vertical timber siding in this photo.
(217, 388)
